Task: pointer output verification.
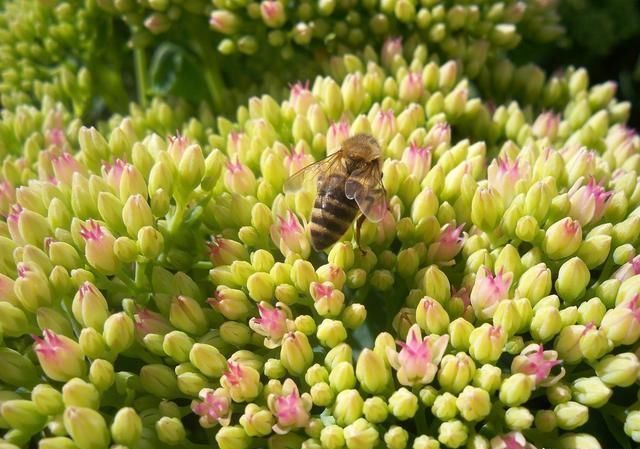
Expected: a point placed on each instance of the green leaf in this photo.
(174, 71)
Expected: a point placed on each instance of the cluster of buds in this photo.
(149, 283)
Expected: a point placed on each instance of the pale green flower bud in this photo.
(371, 372)
(572, 281)
(296, 353)
(632, 425)
(453, 433)
(341, 353)
(459, 332)
(342, 376)
(256, 421)
(456, 372)
(436, 284)
(562, 239)
(486, 208)
(360, 435)
(316, 374)
(22, 415)
(353, 316)
(348, 407)
(473, 403)
(486, 343)
(535, 283)
(444, 407)
(170, 430)
(87, 427)
(619, 370)
(375, 410)
(516, 389)
(431, 316)
(127, 427)
(159, 380)
(232, 437)
(403, 404)
(546, 323)
(425, 442)
(571, 415)
(322, 394)
(518, 418)
(488, 377)
(47, 399)
(186, 314)
(79, 393)
(396, 438)
(118, 332)
(545, 420)
(330, 333)
(507, 317)
(332, 437)
(590, 391)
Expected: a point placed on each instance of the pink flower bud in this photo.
(289, 235)
(384, 126)
(438, 134)
(7, 197)
(301, 98)
(238, 178)
(272, 324)
(241, 381)
(488, 290)
(588, 202)
(512, 440)
(328, 301)
(411, 87)
(390, 49)
(417, 361)
(99, 247)
(273, 13)
(290, 409)
(177, 146)
(579, 163)
(55, 136)
(417, 159)
(504, 174)
(112, 173)
(90, 307)
(60, 357)
(146, 322)
(214, 408)
(546, 125)
(534, 361)
(628, 270)
(64, 166)
(13, 219)
(224, 251)
(448, 245)
(338, 132)
(223, 21)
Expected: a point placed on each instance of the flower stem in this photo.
(140, 62)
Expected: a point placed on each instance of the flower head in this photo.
(534, 361)
(290, 409)
(214, 407)
(241, 381)
(417, 361)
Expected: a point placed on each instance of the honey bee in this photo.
(349, 181)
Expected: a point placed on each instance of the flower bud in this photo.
(47, 399)
(456, 372)
(170, 430)
(32, 288)
(488, 377)
(453, 433)
(486, 343)
(562, 239)
(360, 435)
(332, 437)
(341, 353)
(330, 333)
(187, 315)
(328, 301)
(518, 418)
(159, 380)
(488, 290)
(535, 283)
(459, 332)
(619, 370)
(372, 373)
(322, 394)
(90, 306)
(127, 427)
(631, 424)
(572, 281)
(290, 409)
(296, 353)
(342, 376)
(256, 421)
(22, 415)
(118, 332)
(353, 316)
(396, 438)
(233, 437)
(444, 407)
(571, 415)
(486, 208)
(473, 403)
(403, 404)
(436, 284)
(546, 323)
(348, 407)
(375, 410)
(60, 357)
(79, 393)
(516, 389)
(87, 427)
(98, 249)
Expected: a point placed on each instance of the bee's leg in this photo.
(359, 223)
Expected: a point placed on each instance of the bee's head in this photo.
(363, 148)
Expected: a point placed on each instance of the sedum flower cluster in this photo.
(162, 291)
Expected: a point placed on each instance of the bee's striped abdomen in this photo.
(332, 213)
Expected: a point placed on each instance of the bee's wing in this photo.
(365, 187)
(295, 181)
